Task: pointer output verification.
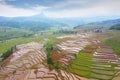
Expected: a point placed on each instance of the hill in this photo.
(29, 23)
(105, 24)
(115, 27)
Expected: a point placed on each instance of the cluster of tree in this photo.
(115, 27)
(7, 54)
(11, 33)
(49, 48)
(28, 25)
(65, 31)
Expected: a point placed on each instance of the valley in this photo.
(59, 39)
(78, 56)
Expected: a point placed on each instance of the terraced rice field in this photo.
(99, 63)
(28, 62)
(82, 64)
(77, 61)
(98, 66)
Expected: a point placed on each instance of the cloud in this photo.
(62, 8)
(10, 0)
(86, 8)
(70, 4)
(1, 0)
(11, 11)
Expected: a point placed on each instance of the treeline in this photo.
(49, 49)
(65, 31)
(114, 41)
(115, 27)
(7, 54)
(33, 26)
(7, 33)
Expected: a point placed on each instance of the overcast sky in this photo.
(60, 8)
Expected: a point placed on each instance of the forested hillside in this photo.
(7, 33)
(115, 27)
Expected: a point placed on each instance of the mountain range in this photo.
(41, 22)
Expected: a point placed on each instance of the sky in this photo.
(60, 8)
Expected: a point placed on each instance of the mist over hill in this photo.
(42, 22)
(34, 23)
(106, 24)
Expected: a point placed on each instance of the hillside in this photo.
(29, 23)
(67, 57)
(105, 24)
(7, 33)
(115, 27)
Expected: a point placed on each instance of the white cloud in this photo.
(100, 8)
(83, 8)
(10, 11)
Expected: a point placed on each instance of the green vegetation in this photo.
(7, 33)
(111, 38)
(65, 31)
(6, 46)
(115, 27)
(114, 41)
(7, 54)
(84, 65)
(49, 48)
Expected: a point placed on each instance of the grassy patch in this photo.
(110, 38)
(83, 65)
(114, 41)
(49, 49)
(7, 45)
(7, 33)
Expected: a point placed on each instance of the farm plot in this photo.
(87, 65)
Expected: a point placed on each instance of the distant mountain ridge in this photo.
(42, 22)
(105, 24)
(30, 23)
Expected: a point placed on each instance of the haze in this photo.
(60, 8)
